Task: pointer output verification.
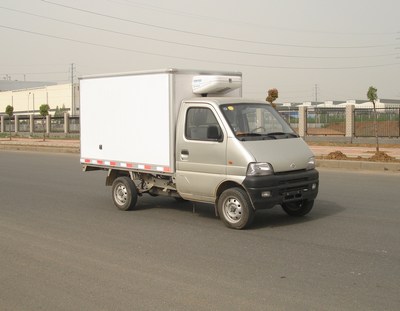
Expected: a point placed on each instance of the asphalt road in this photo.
(64, 246)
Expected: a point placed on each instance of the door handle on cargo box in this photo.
(184, 154)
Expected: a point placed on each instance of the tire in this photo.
(235, 208)
(299, 208)
(124, 193)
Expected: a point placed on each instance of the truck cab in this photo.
(244, 151)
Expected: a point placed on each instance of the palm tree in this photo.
(373, 96)
(44, 111)
(9, 112)
(272, 96)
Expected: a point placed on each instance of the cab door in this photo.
(200, 152)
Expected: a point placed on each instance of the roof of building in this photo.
(9, 85)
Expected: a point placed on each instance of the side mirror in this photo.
(213, 133)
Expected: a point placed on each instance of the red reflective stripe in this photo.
(128, 165)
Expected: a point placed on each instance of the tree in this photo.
(59, 112)
(9, 112)
(272, 96)
(373, 96)
(44, 111)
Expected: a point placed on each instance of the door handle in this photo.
(184, 154)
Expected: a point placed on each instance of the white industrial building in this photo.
(28, 97)
(27, 101)
(358, 104)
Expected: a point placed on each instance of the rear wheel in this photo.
(124, 193)
(235, 209)
(299, 208)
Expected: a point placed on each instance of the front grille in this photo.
(291, 172)
(293, 181)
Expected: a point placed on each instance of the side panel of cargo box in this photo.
(127, 121)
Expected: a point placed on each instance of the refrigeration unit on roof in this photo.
(211, 84)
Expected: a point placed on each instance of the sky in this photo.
(308, 49)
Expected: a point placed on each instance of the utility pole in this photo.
(72, 90)
(316, 93)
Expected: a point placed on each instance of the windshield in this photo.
(256, 122)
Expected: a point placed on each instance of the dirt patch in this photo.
(382, 157)
(377, 157)
(336, 155)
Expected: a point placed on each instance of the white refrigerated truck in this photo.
(190, 135)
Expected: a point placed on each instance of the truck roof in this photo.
(167, 70)
(226, 100)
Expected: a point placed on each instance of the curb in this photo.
(40, 148)
(359, 165)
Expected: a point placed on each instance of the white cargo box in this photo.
(128, 120)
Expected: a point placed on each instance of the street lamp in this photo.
(29, 94)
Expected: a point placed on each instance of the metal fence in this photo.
(388, 122)
(74, 125)
(57, 124)
(9, 123)
(291, 115)
(22, 124)
(38, 124)
(326, 121)
(319, 121)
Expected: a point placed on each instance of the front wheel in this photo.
(235, 209)
(299, 208)
(124, 193)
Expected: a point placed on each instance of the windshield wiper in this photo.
(248, 134)
(287, 135)
(273, 135)
(242, 136)
(278, 135)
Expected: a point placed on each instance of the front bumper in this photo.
(267, 191)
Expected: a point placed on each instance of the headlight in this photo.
(311, 163)
(259, 169)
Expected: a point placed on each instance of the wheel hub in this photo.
(121, 194)
(233, 209)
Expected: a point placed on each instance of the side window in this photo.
(201, 124)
